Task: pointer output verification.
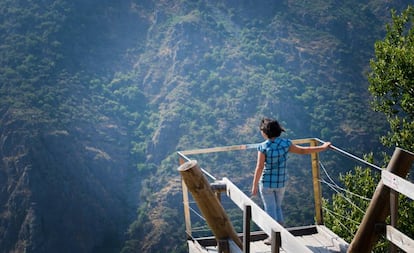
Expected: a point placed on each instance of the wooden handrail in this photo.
(262, 219)
(365, 237)
(259, 216)
(398, 184)
(392, 182)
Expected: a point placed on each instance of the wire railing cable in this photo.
(339, 215)
(335, 187)
(340, 223)
(343, 152)
(194, 211)
(201, 229)
(326, 173)
(334, 184)
(340, 193)
(203, 170)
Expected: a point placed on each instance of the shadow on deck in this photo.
(317, 238)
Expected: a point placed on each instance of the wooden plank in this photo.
(305, 230)
(305, 141)
(235, 147)
(398, 184)
(260, 247)
(211, 240)
(194, 247)
(341, 243)
(399, 239)
(318, 244)
(186, 203)
(316, 181)
(263, 220)
(326, 244)
(275, 242)
(247, 217)
(216, 149)
(312, 243)
(365, 238)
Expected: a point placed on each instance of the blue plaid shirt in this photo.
(276, 151)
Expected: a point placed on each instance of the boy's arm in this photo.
(258, 171)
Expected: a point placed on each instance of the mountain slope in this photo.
(224, 66)
(96, 97)
(66, 167)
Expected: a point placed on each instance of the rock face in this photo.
(61, 191)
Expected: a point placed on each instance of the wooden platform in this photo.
(318, 239)
(304, 239)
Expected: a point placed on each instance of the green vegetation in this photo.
(391, 84)
(108, 91)
(392, 79)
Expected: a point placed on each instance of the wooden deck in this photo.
(320, 239)
(309, 239)
(317, 239)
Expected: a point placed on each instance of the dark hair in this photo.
(271, 127)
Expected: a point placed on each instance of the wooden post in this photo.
(208, 203)
(276, 242)
(379, 207)
(247, 217)
(317, 192)
(186, 206)
(223, 246)
(217, 188)
(394, 216)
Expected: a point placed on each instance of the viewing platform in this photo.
(316, 238)
(273, 237)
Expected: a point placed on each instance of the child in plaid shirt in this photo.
(270, 174)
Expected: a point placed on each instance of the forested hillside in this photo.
(97, 96)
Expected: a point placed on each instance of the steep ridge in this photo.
(220, 66)
(96, 97)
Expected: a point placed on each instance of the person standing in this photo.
(270, 174)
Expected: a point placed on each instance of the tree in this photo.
(392, 79)
(345, 213)
(392, 87)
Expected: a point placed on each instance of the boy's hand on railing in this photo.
(327, 145)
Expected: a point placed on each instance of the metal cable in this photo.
(334, 184)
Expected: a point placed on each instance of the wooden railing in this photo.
(397, 184)
(385, 194)
(183, 157)
(278, 233)
(392, 179)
